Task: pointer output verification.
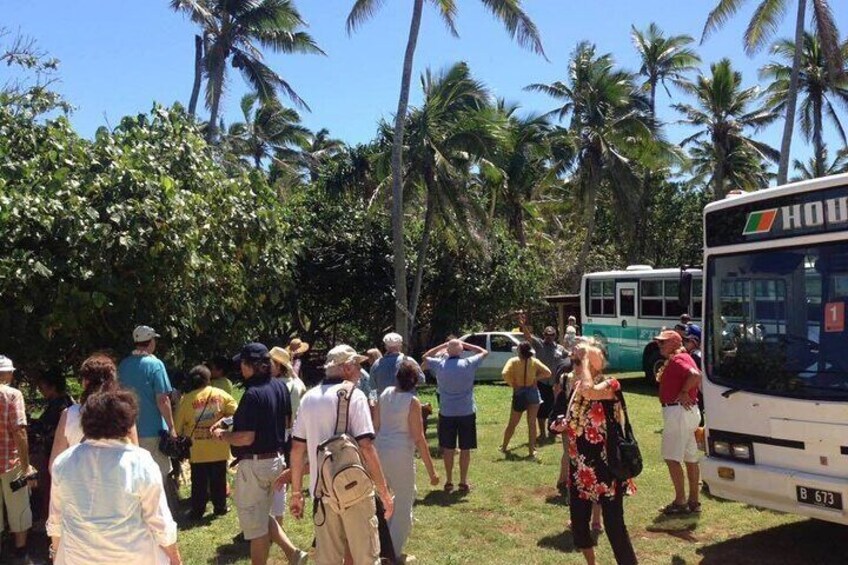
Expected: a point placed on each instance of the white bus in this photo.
(776, 349)
(626, 309)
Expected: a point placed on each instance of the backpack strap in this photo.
(344, 392)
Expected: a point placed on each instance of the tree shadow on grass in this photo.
(441, 498)
(562, 541)
(235, 551)
(811, 541)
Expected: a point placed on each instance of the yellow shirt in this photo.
(519, 372)
(194, 408)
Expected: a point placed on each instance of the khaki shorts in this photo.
(254, 494)
(151, 444)
(357, 528)
(678, 437)
(16, 503)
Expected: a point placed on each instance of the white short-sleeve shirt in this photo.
(316, 420)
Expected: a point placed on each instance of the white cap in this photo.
(6, 365)
(144, 333)
(392, 339)
(343, 354)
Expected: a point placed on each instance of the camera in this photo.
(227, 423)
(21, 482)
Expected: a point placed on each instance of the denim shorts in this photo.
(525, 396)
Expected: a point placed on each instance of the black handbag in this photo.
(624, 459)
(180, 447)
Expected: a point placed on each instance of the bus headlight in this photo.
(721, 448)
(742, 451)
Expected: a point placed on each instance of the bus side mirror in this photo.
(684, 292)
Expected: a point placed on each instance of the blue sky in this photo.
(119, 56)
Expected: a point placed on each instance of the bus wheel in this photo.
(651, 365)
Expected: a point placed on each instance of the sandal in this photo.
(674, 509)
(694, 507)
(448, 487)
(464, 488)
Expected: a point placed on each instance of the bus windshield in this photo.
(776, 321)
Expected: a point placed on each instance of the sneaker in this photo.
(300, 558)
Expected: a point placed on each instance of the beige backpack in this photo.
(342, 478)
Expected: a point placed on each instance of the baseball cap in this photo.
(252, 352)
(6, 364)
(669, 335)
(693, 332)
(343, 354)
(392, 338)
(144, 333)
(550, 330)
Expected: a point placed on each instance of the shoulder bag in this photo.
(624, 459)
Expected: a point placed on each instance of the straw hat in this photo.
(297, 347)
(281, 356)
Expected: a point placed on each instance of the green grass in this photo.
(514, 514)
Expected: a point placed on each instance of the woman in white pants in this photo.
(400, 432)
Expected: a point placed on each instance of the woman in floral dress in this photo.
(590, 480)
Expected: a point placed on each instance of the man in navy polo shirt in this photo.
(259, 442)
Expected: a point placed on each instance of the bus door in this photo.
(629, 347)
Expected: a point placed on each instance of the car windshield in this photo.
(776, 322)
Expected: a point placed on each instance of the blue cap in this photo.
(253, 352)
(693, 332)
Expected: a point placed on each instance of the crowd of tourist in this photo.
(109, 475)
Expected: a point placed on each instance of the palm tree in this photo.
(818, 88)
(269, 131)
(453, 129)
(813, 169)
(761, 28)
(520, 27)
(723, 115)
(319, 149)
(663, 58)
(524, 166)
(234, 31)
(614, 133)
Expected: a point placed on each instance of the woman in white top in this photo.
(281, 368)
(400, 432)
(97, 373)
(128, 522)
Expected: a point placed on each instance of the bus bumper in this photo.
(773, 487)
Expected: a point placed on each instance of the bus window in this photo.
(673, 309)
(627, 302)
(697, 298)
(651, 299)
(602, 298)
(767, 322)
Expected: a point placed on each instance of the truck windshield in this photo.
(776, 322)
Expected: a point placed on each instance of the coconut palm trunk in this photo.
(589, 221)
(198, 75)
(424, 244)
(792, 96)
(217, 86)
(818, 142)
(399, 262)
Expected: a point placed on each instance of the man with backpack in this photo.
(334, 428)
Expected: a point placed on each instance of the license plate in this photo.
(819, 497)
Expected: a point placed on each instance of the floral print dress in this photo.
(589, 477)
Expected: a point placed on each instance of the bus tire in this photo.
(651, 361)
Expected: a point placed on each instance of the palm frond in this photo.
(720, 15)
(763, 25)
(519, 25)
(362, 11)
